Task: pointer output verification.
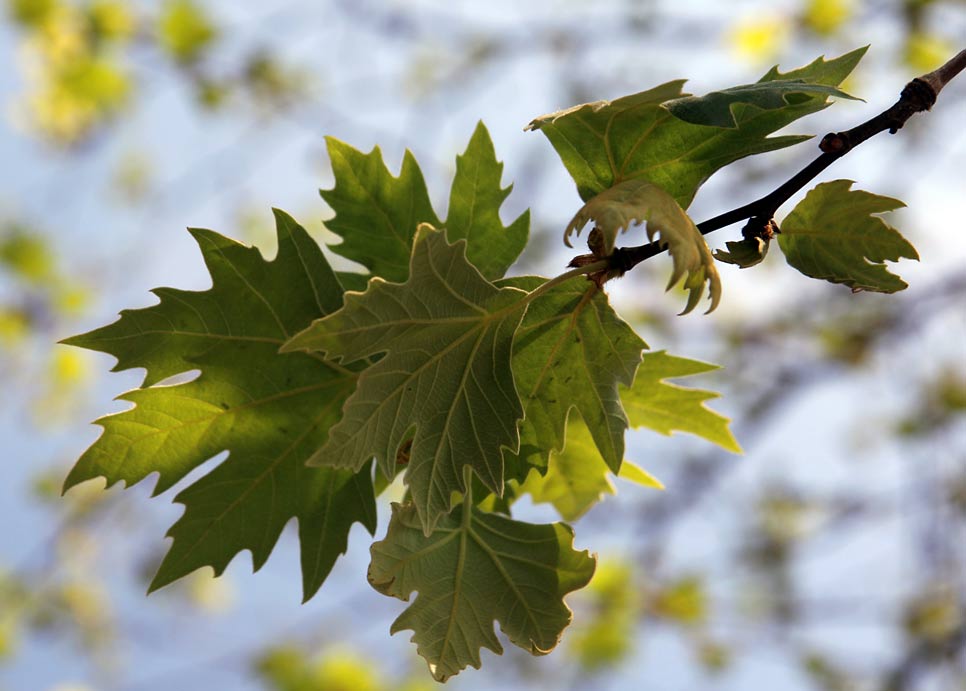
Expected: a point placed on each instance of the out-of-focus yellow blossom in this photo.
(826, 17)
(759, 40)
(925, 52)
(184, 30)
(111, 19)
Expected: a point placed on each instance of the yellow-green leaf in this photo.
(636, 202)
(833, 235)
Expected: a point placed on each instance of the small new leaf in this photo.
(636, 201)
(654, 403)
(473, 569)
(833, 235)
(744, 253)
(445, 381)
(270, 412)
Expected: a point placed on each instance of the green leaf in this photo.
(653, 403)
(474, 210)
(833, 235)
(445, 381)
(744, 253)
(270, 412)
(638, 201)
(577, 477)
(570, 353)
(636, 137)
(717, 108)
(475, 568)
(376, 214)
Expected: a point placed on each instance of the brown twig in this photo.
(918, 95)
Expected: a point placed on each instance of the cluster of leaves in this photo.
(474, 387)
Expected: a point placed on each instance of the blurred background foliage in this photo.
(832, 556)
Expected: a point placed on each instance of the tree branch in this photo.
(918, 95)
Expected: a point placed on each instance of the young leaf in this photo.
(270, 412)
(833, 235)
(717, 108)
(577, 477)
(636, 137)
(653, 403)
(375, 213)
(474, 210)
(571, 352)
(638, 201)
(475, 568)
(445, 380)
(744, 253)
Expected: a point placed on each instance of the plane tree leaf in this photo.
(832, 234)
(376, 214)
(269, 412)
(445, 381)
(473, 569)
(744, 253)
(577, 477)
(637, 201)
(571, 352)
(663, 407)
(717, 107)
(474, 209)
(637, 137)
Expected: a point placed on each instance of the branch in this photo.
(918, 95)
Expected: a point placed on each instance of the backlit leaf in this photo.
(577, 477)
(474, 209)
(445, 380)
(475, 568)
(570, 353)
(270, 412)
(833, 235)
(654, 403)
(376, 214)
(635, 202)
(636, 137)
(744, 253)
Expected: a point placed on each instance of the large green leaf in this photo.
(571, 352)
(663, 407)
(445, 381)
(831, 234)
(636, 137)
(475, 568)
(637, 201)
(474, 209)
(717, 108)
(375, 213)
(270, 412)
(577, 477)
